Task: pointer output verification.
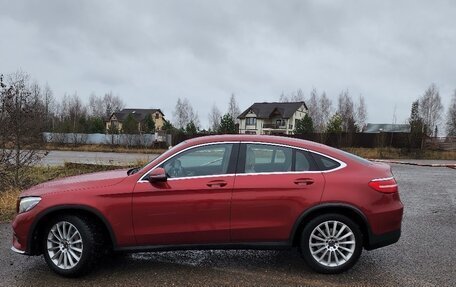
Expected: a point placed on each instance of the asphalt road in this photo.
(424, 256)
(54, 157)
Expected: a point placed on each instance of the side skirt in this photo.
(223, 246)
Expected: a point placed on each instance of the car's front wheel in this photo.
(331, 243)
(71, 245)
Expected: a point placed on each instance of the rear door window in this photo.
(260, 158)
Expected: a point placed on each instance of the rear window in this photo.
(325, 163)
(356, 158)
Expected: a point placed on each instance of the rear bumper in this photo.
(385, 239)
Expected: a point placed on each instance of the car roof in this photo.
(259, 138)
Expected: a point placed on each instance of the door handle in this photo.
(304, 181)
(217, 183)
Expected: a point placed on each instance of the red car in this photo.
(217, 192)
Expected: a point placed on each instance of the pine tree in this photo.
(149, 124)
(304, 125)
(334, 124)
(227, 125)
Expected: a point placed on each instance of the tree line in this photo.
(322, 117)
(427, 113)
(186, 120)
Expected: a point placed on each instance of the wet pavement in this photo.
(424, 256)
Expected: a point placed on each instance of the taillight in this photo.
(385, 185)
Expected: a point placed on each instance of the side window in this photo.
(304, 161)
(325, 163)
(205, 160)
(267, 158)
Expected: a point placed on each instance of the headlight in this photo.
(28, 203)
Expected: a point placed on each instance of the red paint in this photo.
(217, 209)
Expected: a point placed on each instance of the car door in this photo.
(274, 185)
(193, 205)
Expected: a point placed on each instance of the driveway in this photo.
(424, 256)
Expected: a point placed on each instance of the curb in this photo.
(448, 165)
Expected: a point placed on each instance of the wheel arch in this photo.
(340, 208)
(36, 230)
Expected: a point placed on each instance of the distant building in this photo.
(386, 128)
(117, 118)
(271, 118)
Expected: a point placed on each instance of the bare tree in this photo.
(214, 118)
(431, 108)
(451, 117)
(297, 96)
(21, 126)
(315, 111)
(112, 104)
(233, 108)
(97, 107)
(184, 114)
(49, 107)
(361, 113)
(346, 111)
(325, 110)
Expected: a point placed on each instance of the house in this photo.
(386, 128)
(271, 118)
(140, 115)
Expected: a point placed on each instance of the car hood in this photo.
(85, 181)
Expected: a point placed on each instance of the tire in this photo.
(71, 245)
(329, 252)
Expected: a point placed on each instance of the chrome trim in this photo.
(17, 250)
(342, 164)
(195, 177)
(278, 172)
(383, 178)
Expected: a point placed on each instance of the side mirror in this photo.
(157, 175)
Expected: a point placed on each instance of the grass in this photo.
(104, 148)
(396, 153)
(40, 174)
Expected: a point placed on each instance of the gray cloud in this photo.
(152, 52)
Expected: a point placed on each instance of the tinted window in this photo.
(267, 158)
(206, 160)
(325, 163)
(304, 161)
(357, 158)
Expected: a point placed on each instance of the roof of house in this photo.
(138, 114)
(387, 128)
(266, 110)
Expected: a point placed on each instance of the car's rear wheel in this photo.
(331, 243)
(71, 245)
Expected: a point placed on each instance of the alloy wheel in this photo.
(332, 243)
(64, 245)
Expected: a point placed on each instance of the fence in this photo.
(146, 140)
(441, 143)
(364, 140)
(341, 140)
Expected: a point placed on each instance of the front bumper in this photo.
(17, 250)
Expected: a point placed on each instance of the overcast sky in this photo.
(152, 52)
